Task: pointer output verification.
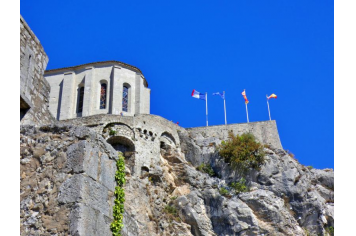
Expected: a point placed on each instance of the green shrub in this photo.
(309, 167)
(239, 186)
(206, 168)
(242, 152)
(223, 191)
(112, 132)
(118, 210)
(171, 210)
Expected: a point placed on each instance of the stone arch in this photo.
(167, 139)
(118, 129)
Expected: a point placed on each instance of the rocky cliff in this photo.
(285, 198)
(67, 185)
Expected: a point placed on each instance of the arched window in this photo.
(125, 98)
(103, 96)
(80, 99)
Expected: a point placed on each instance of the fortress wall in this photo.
(34, 89)
(147, 131)
(265, 131)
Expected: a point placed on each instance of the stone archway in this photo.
(167, 139)
(118, 129)
(127, 147)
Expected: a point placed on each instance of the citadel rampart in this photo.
(265, 131)
(144, 134)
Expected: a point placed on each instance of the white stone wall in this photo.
(65, 85)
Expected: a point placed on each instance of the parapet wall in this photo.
(34, 89)
(265, 131)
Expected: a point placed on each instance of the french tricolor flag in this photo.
(196, 94)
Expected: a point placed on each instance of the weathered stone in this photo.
(83, 157)
(107, 171)
(86, 221)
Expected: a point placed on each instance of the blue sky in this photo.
(281, 47)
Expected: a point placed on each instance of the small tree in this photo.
(239, 186)
(243, 152)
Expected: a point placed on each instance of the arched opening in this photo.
(127, 147)
(122, 144)
(126, 97)
(168, 139)
(80, 99)
(103, 94)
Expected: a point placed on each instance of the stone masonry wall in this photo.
(34, 89)
(67, 181)
(148, 131)
(265, 131)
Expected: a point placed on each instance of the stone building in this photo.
(109, 87)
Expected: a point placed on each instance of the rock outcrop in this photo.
(286, 198)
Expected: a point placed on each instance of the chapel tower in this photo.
(109, 87)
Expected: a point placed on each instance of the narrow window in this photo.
(125, 98)
(80, 99)
(103, 96)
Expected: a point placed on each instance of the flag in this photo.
(196, 94)
(220, 94)
(244, 95)
(272, 96)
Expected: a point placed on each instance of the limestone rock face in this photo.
(286, 198)
(68, 183)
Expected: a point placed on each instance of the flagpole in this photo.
(269, 113)
(206, 107)
(247, 113)
(224, 108)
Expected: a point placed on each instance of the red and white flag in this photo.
(272, 96)
(244, 95)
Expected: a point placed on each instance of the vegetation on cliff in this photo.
(243, 152)
(118, 211)
(206, 168)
